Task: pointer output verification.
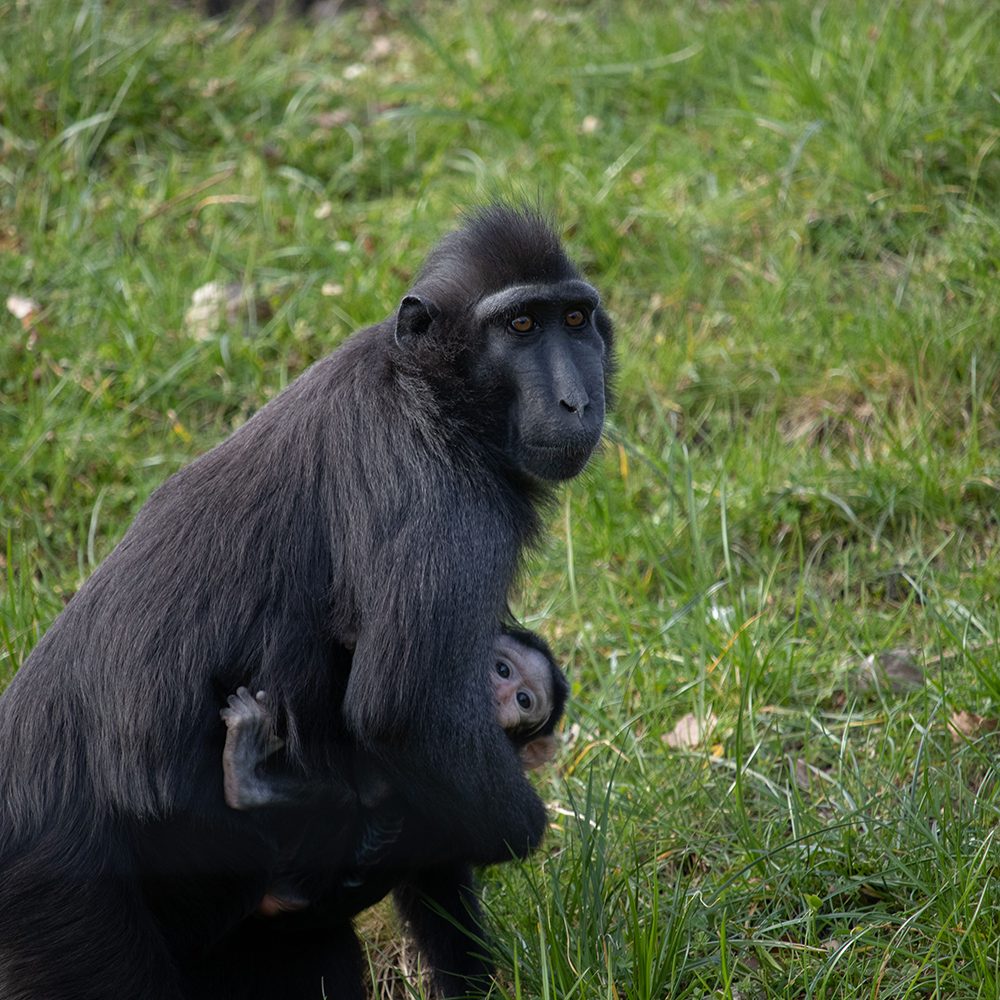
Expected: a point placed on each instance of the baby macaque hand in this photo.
(250, 740)
(250, 715)
(539, 751)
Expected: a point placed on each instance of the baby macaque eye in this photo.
(503, 669)
(524, 700)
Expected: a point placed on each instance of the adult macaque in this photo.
(388, 495)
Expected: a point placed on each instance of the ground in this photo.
(775, 591)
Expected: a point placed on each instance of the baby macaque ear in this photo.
(538, 752)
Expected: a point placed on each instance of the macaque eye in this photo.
(524, 700)
(575, 318)
(522, 324)
(503, 669)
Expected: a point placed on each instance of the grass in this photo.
(791, 209)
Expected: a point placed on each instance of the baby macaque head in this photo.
(530, 692)
(522, 686)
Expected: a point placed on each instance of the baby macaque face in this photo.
(522, 686)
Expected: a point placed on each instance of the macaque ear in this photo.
(538, 752)
(414, 318)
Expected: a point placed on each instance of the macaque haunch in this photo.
(529, 692)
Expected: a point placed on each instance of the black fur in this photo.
(379, 499)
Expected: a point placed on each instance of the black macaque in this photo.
(529, 692)
(384, 498)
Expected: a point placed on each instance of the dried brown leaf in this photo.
(690, 731)
(329, 120)
(217, 305)
(969, 726)
(897, 670)
(23, 308)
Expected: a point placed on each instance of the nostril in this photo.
(574, 405)
(567, 406)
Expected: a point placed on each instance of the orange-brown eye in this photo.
(575, 318)
(522, 324)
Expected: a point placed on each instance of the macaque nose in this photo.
(576, 403)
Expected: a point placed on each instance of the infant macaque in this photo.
(529, 691)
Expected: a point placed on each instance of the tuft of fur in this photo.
(498, 246)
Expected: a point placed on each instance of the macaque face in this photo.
(522, 686)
